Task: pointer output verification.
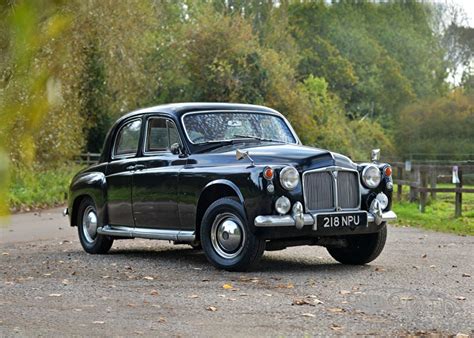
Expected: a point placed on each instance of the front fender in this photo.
(92, 184)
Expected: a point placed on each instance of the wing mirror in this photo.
(176, 149)
(241, 154)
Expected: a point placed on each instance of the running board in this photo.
(122, 231)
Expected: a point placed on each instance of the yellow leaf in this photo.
(227, 286)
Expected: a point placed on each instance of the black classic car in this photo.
(232, 179)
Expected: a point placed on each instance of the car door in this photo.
(155, 182)
(120, 172)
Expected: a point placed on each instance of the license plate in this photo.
(342, 220)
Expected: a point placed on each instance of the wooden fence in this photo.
(88, 158)
(422, 179)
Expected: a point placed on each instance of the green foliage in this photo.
(439, 214)
(92, 93)
(342, 73)
(442, 126)
(36, 187)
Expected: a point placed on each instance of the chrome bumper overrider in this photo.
(309, 219)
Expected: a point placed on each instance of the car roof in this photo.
(178, 109)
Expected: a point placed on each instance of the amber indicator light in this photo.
(268, 173)
(388, 171)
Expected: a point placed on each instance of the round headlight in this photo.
(282, 205)
(371, 176)
(289, 178)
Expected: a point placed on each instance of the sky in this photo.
(468, 6)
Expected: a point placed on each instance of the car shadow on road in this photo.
(197, 258)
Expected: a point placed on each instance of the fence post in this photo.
(413, 186)
(423, 194)
(399, 186)
(433, 181)
(458, 198)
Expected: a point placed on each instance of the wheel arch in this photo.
(88, 185)
(212, 192)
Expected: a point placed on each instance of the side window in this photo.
(126, 143)
(161, 134)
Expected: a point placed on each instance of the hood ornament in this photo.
(241, 154)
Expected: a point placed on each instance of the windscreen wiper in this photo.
(258, 138)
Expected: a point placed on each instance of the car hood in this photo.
(302, 157)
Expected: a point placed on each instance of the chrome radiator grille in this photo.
(325, 191)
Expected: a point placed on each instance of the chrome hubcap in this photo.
(89, 224)
(227, 235)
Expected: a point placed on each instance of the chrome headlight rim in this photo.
(367, 181)
(284, 173)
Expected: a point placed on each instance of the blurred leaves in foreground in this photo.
(29, 87)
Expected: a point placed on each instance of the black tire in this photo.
(250, 248)
(98, 244)
(362, 249)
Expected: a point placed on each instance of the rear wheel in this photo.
(87, 222)
(361, 249)
(225, 237)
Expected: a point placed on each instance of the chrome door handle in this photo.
(135, 167)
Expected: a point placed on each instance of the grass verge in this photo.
(38, 188)
(439, 214)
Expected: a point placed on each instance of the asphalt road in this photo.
(422, 283)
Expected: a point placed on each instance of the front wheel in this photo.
(361, 249)
(91, 241)
(226, 240)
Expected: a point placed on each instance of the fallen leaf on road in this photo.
(55, 295)
(424, 256)
(336, 327)
(344, 292)
(154, 293)
(268, 294)
(65, 282)
(132, 305)
(466, 275)
(301, 302)
(162, 320)
(335, 310)
(308, 315)
(285, 286)
(98, 322)
(193, 296)
(406, 298)
(415, 267)
(378, 269)
(78, 310)
(315, 300)
(105, 277)
(227, 286)
(460, 298)
(212, 309)
(232, 299)
(433, 266)
(5, 254)
(148, 278)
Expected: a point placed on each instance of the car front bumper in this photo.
(376, 217)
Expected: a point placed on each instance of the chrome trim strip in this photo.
(123, 231)
(330, 169)
(309, 219)
(275, 113)
(65, 212)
